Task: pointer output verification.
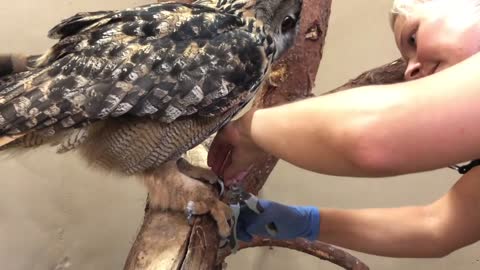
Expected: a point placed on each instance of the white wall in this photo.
(53, 209)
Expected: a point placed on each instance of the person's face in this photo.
(432, 40)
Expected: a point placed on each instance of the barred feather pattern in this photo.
(145, 84)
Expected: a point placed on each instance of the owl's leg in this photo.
(200, 173)
(171, 189)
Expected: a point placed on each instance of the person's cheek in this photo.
(470, 43)
(435, 50)
(435, 39)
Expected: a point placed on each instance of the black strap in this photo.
(466, 168)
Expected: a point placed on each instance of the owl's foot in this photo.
(199, 173)
(220, 212)
(171, 189)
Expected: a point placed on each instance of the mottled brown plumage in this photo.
(135, 89)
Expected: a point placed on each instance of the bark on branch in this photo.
(165, 241)
(387, 74)
(317, 249)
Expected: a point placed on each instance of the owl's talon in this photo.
(221, 187)
(189, 196)
(220, 212)
(223, 216)
(199, 173)
(210, 177)
(189, 211)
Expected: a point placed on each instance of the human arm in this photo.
(433, 230)
(369, 131)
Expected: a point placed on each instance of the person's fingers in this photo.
(215, 147)
(223, 143)
(239, 166)
(244, 236)
(244, 220)
(237, 177)
(226, 160)
(221, 159)
(246, 223)
(265, 204)
(229, 156)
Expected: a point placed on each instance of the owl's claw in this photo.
(221, 187)
(220, 212)
(201, 174)
(206, 175)
(189, 211)
(171, 189)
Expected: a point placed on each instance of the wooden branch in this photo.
(166, 241)
(386, 74)
(317, 249)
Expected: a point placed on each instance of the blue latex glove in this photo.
(290, 222)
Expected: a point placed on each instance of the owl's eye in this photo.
(288, 24)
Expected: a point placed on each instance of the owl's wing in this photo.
(163, 61)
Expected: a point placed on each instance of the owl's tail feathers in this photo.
(17, 98)
(13, 71)
(11, 103)
(4, 140)
(17, 84)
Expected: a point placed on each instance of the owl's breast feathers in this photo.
(163, 61)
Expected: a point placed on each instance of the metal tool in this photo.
(238, 199)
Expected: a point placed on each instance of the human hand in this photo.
(233, 151)
(288, 222)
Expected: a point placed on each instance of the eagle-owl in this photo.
(134, 89)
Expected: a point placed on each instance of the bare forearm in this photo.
(433, 230)
(400, 232)
(379, 130)
(324, 134)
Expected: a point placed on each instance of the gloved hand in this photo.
(290, 222)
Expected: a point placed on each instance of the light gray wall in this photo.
(55, 212)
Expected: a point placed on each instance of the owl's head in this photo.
(282, 21)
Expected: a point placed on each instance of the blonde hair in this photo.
(407, 7)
